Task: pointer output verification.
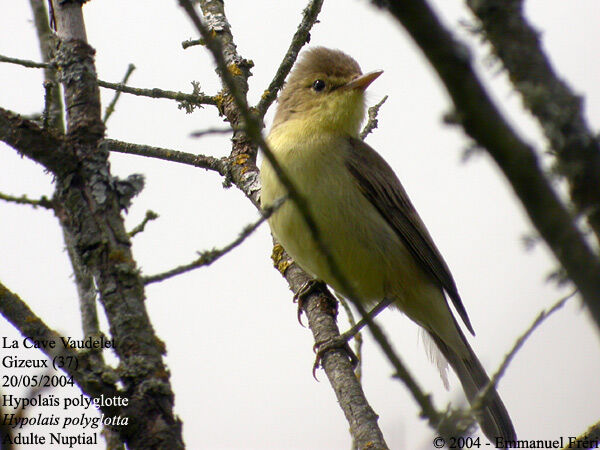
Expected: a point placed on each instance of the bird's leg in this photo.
(307, 288)
(341, 341)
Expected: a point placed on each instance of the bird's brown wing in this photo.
(381, 187)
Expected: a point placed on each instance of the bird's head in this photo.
(324, 93)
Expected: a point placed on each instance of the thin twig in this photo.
(192, 43)
(301, 37)
(480, 400)
(372, 123)
(150, 215)
(160, 93)
(201, 133)
(47, 43)
(29, 324)
(588, 439)
(26, 63)
(111, 107)
(319, 305)
(197, 99)
(208, 257)
(43, 201)
(204, 162)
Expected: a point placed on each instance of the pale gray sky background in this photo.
(240, 363)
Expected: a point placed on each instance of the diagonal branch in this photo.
(301, 37)
(362, 419)
(150, 215)
(208, 257)
(111, 106)
(89, 209)
(558, 110)
(483, 122)
(38, 144)
(88, 374)
(372, 123)
(480, 401)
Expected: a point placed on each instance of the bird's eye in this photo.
(318, 85)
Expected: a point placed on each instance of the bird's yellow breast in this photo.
(316, 165)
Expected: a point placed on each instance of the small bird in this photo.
(364, 216)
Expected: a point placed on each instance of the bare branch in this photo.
(485, 124)
(479, 402)
(196, 99)
(43, 201)
(88, 204)
(358, 339)
(301, 37)
(588, 439)
(192, 43)
(111, 107)
(25, 62)
(32, 141)
(321, 310)
(371, 124)
(150, 215)
(205, 162)
(201, 133)
(160, 93)
(53, 111)
(208, 257)
(30, 325)
(362, 419)
(558, 110)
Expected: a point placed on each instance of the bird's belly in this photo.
(366, 250)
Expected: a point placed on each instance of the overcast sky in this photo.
(240, 363)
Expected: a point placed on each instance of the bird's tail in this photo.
(494, 419)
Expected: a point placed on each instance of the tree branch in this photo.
(23, 200)
(588, 439)
(88, 374)
(196, 99)
(301, 37)
(205, 162)
(88, 206)
(30, 140)
(208, 257)
(111, 107)
(558, 110)
(483, 122)
(479, 402)
(46, 41)
(150, 215)
(362, 419)
(372, 123)
(25, 62)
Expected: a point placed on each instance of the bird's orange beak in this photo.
(362, 82)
